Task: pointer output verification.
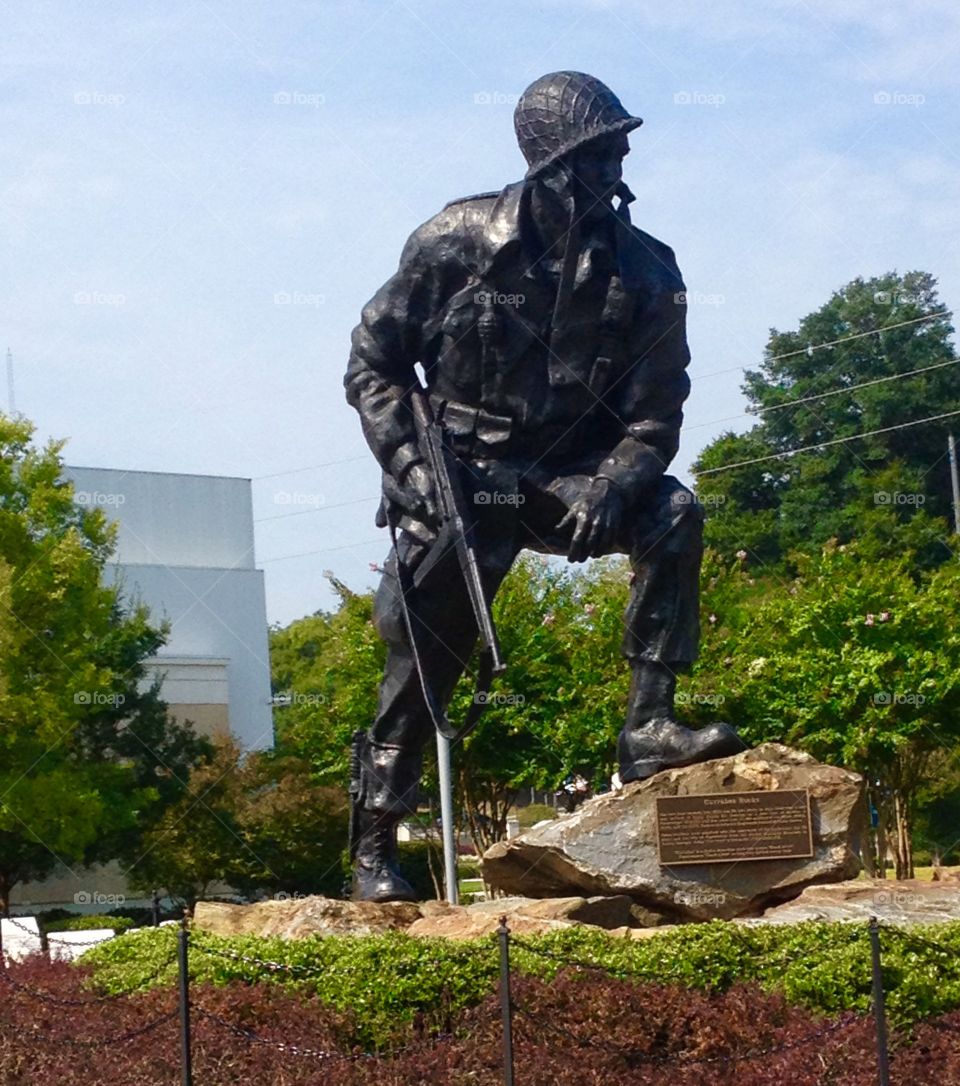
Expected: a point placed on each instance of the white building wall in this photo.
(185, 549)
(172, 520)
(214, 615)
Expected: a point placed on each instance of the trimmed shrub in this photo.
(579, 1029)
(89, 923)
(388, 981)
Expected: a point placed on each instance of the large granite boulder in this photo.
(609, 845)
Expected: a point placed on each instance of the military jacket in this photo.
(471, 303)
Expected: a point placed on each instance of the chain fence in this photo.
(63, 1001)
(108, 1042)
(325, 1055)
(633, 1055)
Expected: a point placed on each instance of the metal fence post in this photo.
(879, 1006)
(155, 908)
(186, 1059)
(506, 1011)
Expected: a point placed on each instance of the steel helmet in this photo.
(563, 110)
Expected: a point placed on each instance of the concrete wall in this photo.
(216, 617)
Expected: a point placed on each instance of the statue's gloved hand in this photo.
(416, 496)
(570, 488)
(594, 513)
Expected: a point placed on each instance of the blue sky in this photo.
(198, 198)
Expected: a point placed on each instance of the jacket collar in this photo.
(506, 231)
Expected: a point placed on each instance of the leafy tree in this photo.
(326, 671)
(193, 844)
(294, 831)
(856, 659)
(85, 746)
(256, 822)
(868, 334)
(559, 706)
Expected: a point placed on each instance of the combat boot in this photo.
(653, 740)
(376, 872)
(383, 790)
(666, 744)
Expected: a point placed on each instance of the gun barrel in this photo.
(451, 502)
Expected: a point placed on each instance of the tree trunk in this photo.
(434, 874)
(870, 856)
(487, 804)
(881, 836)
(904, 846)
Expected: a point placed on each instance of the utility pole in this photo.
(952, 450)
(447, 828)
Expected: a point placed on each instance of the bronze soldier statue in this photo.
(550, 333)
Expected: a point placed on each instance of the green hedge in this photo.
(90, 923)
(388, 980)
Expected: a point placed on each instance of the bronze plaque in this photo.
(725, 826)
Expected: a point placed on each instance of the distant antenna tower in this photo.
(11, 399)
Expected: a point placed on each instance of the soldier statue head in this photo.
(572, 131)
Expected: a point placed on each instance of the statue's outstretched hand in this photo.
(594, 511)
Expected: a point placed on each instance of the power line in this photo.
(322, 550)
(701, 377)
(825, 395)
(832, 343)
(312, 467)
(317, 509)
(825, 444)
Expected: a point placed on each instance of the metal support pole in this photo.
(506, 1009)
(186, 1058)
(954, 480)
(446, 820)
(155, 904)
(879, 1007)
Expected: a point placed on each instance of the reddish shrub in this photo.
(579, 1030)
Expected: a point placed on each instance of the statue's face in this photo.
(598, 166)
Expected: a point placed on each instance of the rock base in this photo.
(609, 845)
(913, 902)
(296, 918)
